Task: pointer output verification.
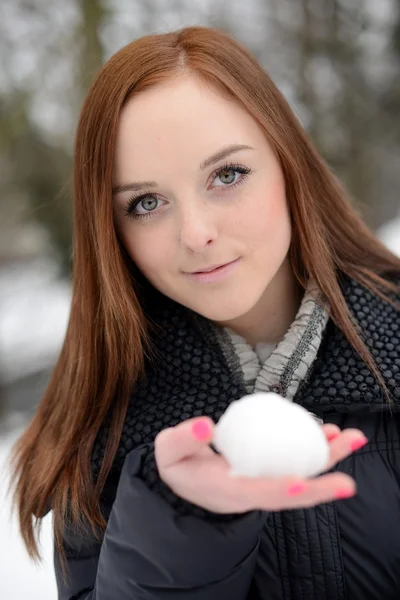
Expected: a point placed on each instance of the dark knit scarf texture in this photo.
(190, 375)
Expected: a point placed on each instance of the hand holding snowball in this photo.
(188, 465)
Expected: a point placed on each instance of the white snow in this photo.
(389, 234)
(21, 578)
(34, 312)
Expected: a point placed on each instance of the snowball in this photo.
(263, 434)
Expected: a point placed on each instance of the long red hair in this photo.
(106, 340)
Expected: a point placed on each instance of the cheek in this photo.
(267, 222)
(150, 253)
(277, 222)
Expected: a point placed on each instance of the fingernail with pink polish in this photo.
(201, 430)
(357, 444)
(341, 494)
(296, 488)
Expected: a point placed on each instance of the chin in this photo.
(226, 311)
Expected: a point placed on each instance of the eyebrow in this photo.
(211, 160)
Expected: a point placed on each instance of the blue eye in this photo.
(152, 201)
(143, 199)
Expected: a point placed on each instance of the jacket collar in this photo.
(288, 364)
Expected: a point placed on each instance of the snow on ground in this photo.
(20, 578)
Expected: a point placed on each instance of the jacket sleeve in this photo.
(157, 547)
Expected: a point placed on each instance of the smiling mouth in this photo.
(216, 274)
(212, 268)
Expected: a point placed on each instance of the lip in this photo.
(209, 269)
(215, 274)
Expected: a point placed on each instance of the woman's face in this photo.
(197, 185)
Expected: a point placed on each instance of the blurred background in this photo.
(336, 61)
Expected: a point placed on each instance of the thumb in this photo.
(177, 443)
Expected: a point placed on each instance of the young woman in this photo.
(215, 255)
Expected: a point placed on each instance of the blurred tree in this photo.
(392, 97)
(91, 52)
(329, 57)
(329, 40)
(37, 167)
(35, 173)
(388, 119)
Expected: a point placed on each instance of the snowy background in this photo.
(20, 578)
(34, 309)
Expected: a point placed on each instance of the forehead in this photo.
(182, 117)
(174, 100)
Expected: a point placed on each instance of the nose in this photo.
(198, 228)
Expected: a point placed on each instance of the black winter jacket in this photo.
(160, 547)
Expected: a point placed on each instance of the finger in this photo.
(327, 488)
(349, 441)
(186, 439)
(289, 492)
(331, 431)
